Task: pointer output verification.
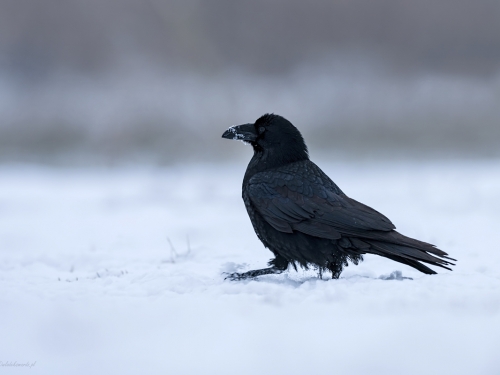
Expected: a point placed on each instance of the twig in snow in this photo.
(173, 253)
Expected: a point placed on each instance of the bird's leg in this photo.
(278, 265)
(336, 269)
(336, 274)
(253, 273)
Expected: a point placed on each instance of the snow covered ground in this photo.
(119, 272)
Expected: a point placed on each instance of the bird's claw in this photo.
(235, 276)
(253, 274)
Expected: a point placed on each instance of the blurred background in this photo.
(111, 82)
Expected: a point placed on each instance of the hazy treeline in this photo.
(108, 80)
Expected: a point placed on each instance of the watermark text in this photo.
(28, 364)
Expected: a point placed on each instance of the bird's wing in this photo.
(306, 200)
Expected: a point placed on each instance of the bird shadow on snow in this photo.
(300, 277)
(395, 275)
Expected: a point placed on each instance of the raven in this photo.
(304, 218)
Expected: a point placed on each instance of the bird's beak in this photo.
(245, 132)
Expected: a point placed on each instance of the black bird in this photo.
(304, 218)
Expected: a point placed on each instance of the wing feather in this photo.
(311, 205)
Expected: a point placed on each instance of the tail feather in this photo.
(402, 249)
(400, 253)
(412, 263)
(407, 252)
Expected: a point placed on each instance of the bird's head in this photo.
(273, 135)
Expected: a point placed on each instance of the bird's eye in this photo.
(261, 129)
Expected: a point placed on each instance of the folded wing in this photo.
(306, 200)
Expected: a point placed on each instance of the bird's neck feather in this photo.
(263, 160)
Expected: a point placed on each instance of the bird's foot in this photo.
(252, 274)
(235, 276)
